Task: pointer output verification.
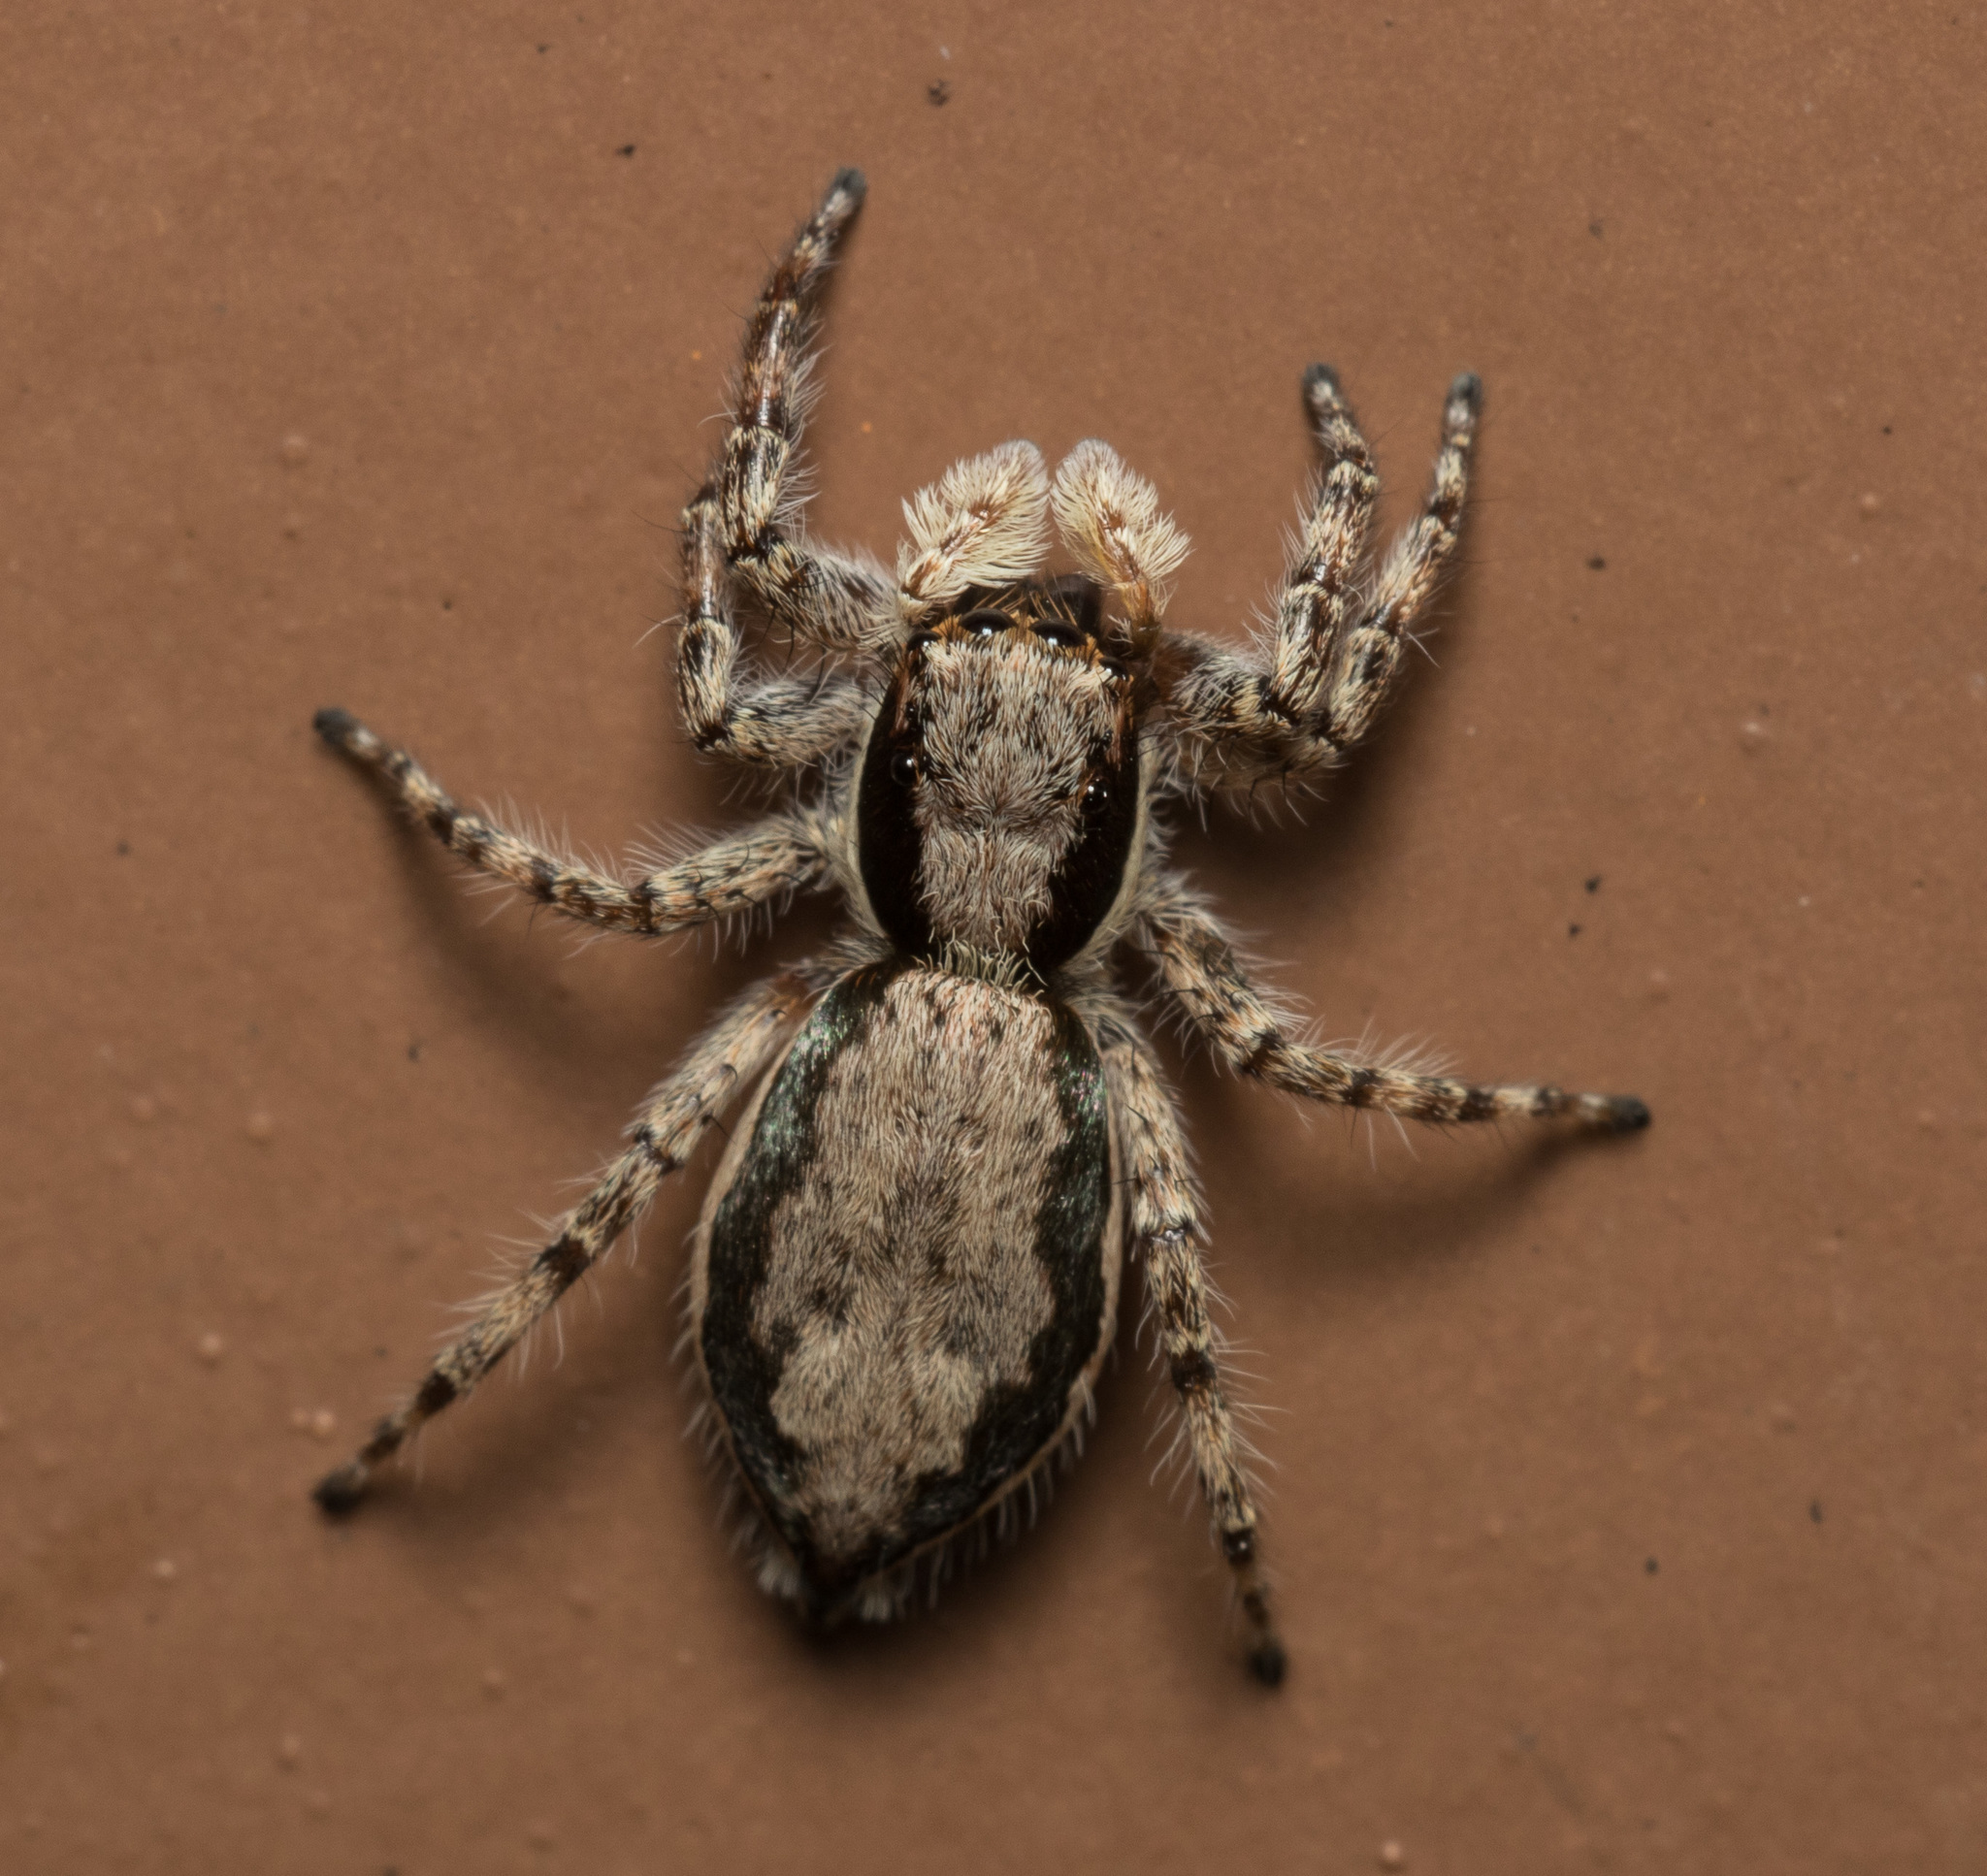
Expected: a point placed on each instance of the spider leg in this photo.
(772, 857)
(1414, 562)
(1238, 714)
(666, 1131)
(1241, 720)
(777, 722)
(838, 603)
(1166, 1235)
(1200, 972)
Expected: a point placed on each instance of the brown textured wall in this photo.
(1627, 1502)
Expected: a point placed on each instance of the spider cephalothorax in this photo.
(1001, 787)
(953, 1131)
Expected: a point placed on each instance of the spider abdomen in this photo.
(907, 1272)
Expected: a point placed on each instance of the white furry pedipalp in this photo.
(1111, 520)
(983, 523)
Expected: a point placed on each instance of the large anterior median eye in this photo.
(904, 767)
(985, 622)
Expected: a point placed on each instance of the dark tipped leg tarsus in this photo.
(337, 1494)
(1626, 1113)
(1268, 1662)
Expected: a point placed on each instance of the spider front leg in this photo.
(1241, 720)
(1198, 970)
(1165, 1238)
(841, 603)
(665, 1133)
(770, 859)
(780, 722)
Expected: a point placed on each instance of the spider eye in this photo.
(1054, 631)
(1118, 673)
(903, 768)
(1096, 796)
(985, 622)
(919, 641)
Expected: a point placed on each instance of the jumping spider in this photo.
(905, 1277)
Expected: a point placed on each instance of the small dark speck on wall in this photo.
(1814, 1510)
(1594, 228)
(1597, 564)
(414, 1051)
(626, 149)
(1573, 931)
(939, 91)
(123, 848)
(1594, 884)
(1649, 1567)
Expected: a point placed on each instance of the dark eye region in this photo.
(985, 622)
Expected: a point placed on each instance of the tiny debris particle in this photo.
(1573, 931)
(143, 1109)
(320, 1423)
(939, 91)
(260, 1125)
(164, 1571)
(296, 451)
(211, 1347)
(123, 848)
(1752, 735)
(1597, 563)
(1648, 1568)
(626, 149)
(492, 1682)
(540, 1837)
(318, 1804)
(1813, 1510)
(1593, 885)
(1782, 1416)
(1392, 1855)
(1594, 228)
(289, 1748)
(1870, 503)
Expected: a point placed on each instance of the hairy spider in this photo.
(905, 1277)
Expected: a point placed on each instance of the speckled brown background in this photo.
(1628, 1500)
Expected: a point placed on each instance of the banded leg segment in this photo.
(1166, 1235)
(1271, 712)
(1240, 721)
(772, 858)
(841, 603)
(664, 1133)
(778, 723)
(1373, 647)
(1199, 971)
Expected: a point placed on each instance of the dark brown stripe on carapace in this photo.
(889, 843)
